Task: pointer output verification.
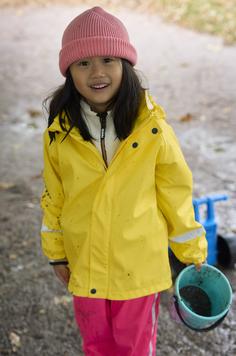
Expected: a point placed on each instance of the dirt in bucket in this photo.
(196, 299)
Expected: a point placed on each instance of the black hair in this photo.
(65, 101)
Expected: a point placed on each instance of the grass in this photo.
(217, 17)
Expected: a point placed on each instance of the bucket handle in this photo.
(190, 327)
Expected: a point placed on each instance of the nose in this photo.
(97, 70)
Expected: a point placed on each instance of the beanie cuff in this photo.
(95, 46)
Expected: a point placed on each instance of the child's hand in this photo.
(198, 267)
(63, 273)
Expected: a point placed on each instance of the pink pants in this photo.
(118, 328)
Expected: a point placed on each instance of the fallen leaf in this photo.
(184, 65)
(34, 113)
(30, 205)
(15, 339)
(62, 300)
(13, 256)
(5, 185)
(227, 109)
(186, 118)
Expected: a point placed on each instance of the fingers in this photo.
(63, 274)
(64, 277)
(198, 267)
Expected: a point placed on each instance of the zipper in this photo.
(103, 121)
(102, 139)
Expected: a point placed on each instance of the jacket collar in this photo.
(148, 108)
(90, 116)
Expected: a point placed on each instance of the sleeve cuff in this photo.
(58, 262)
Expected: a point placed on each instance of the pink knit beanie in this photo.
(95, 33)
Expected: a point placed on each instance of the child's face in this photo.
(97, 79)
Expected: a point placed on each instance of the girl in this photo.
(117, 193)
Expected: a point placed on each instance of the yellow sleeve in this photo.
(174, 195)
(52, 202)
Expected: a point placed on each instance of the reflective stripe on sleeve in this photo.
(188, 236)
(46, 229)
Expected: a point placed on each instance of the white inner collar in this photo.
(90, 114)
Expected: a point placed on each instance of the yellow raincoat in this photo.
(114, 224)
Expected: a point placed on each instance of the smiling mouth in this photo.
(99, 86)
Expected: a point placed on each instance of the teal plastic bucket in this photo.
(213, 286)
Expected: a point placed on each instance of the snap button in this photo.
(93, 291)
(135, 144)
(154, 130)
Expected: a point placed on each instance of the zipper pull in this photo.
(102, 116)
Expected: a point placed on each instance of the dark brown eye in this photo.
(108, 59)
(83, 63)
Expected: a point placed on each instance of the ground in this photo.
(193, 77)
